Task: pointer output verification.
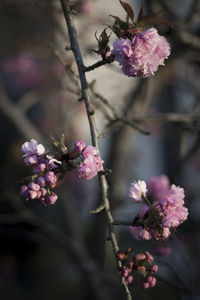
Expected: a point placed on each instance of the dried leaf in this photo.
(128, 9)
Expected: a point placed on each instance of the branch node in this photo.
(101, 135)
(105, 172)
(80, 99)
(68, 48)
(91, 112)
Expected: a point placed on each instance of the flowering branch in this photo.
(94, 136)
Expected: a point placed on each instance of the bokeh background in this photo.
(61, 251)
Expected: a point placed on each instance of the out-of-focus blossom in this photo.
(162, 250)
(25, 72)
(158, 186)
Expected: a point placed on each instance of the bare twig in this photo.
(100, 63)
(125, 223)
(85, 95)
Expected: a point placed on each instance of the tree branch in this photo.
(85, 95)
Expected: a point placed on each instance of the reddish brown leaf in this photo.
(128, 9)
(141, 13)
(153, 20)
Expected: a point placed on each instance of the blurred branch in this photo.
(121, 120)
(168, 118)
(17, 117)
(90, 113)
(189, 39)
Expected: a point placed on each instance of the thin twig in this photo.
(126, 223)
(94, 136)
(99, 64)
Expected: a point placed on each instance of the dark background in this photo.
(61, 251)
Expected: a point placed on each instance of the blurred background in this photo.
(61, 251)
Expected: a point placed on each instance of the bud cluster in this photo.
(45, 173)
(142, 263)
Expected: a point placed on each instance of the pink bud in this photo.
(32, 194)
(41, 181)
(129, 279)
(79, 146)
(34, 186)
(149, 257)
(52, 198)
(23, 191)
(140, 256)
(151, 280)
(153, 269)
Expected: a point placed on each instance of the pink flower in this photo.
(137, 190)
(129, 279)
(41, 181)
(51, 199)
(151, 280)
(79, 146)
(149, 257)
(51, 177)
(89, 151)
(90, 167)
(172, 206)
(32, 194)
(33, 148)
(33, 186)
(30, 159)
(144, 234)
(142, 56)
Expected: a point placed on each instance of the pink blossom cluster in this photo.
(141, 56)
(141, 263)
(91, 162)
(167, 210)
(44, 169)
